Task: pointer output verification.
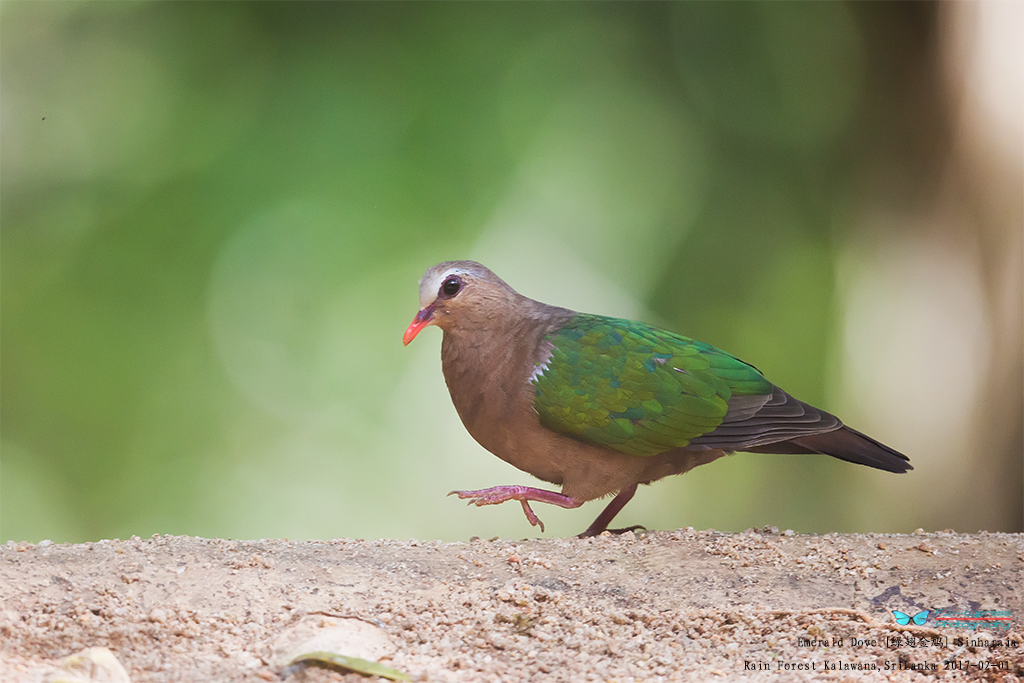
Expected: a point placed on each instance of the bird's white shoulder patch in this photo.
(540, 365)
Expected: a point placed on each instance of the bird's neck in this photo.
(487, 366)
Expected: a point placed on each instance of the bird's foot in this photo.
(524, 494)
(597, 532)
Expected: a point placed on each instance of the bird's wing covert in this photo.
(636, 388)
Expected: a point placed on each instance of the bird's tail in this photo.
(850, 445)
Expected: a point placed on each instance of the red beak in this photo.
(422, 319)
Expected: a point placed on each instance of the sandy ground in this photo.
(652, 606)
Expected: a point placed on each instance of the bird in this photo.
(600, 405)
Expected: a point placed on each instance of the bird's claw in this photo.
(531, 516)
(482, 497)
(588, 533)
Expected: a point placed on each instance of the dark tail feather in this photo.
(852, 446)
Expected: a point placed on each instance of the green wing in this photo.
(636, 388)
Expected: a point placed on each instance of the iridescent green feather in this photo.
(636, 388)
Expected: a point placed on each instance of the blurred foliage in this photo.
(214, 216)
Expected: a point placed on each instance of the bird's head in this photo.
(459, 293)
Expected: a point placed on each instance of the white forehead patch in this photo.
(430, 283)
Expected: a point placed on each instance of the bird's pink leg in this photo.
(524, 494)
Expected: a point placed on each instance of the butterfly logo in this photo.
(904, 619)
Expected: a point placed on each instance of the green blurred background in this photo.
(214, 215)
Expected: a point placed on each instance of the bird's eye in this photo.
(451, 286)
